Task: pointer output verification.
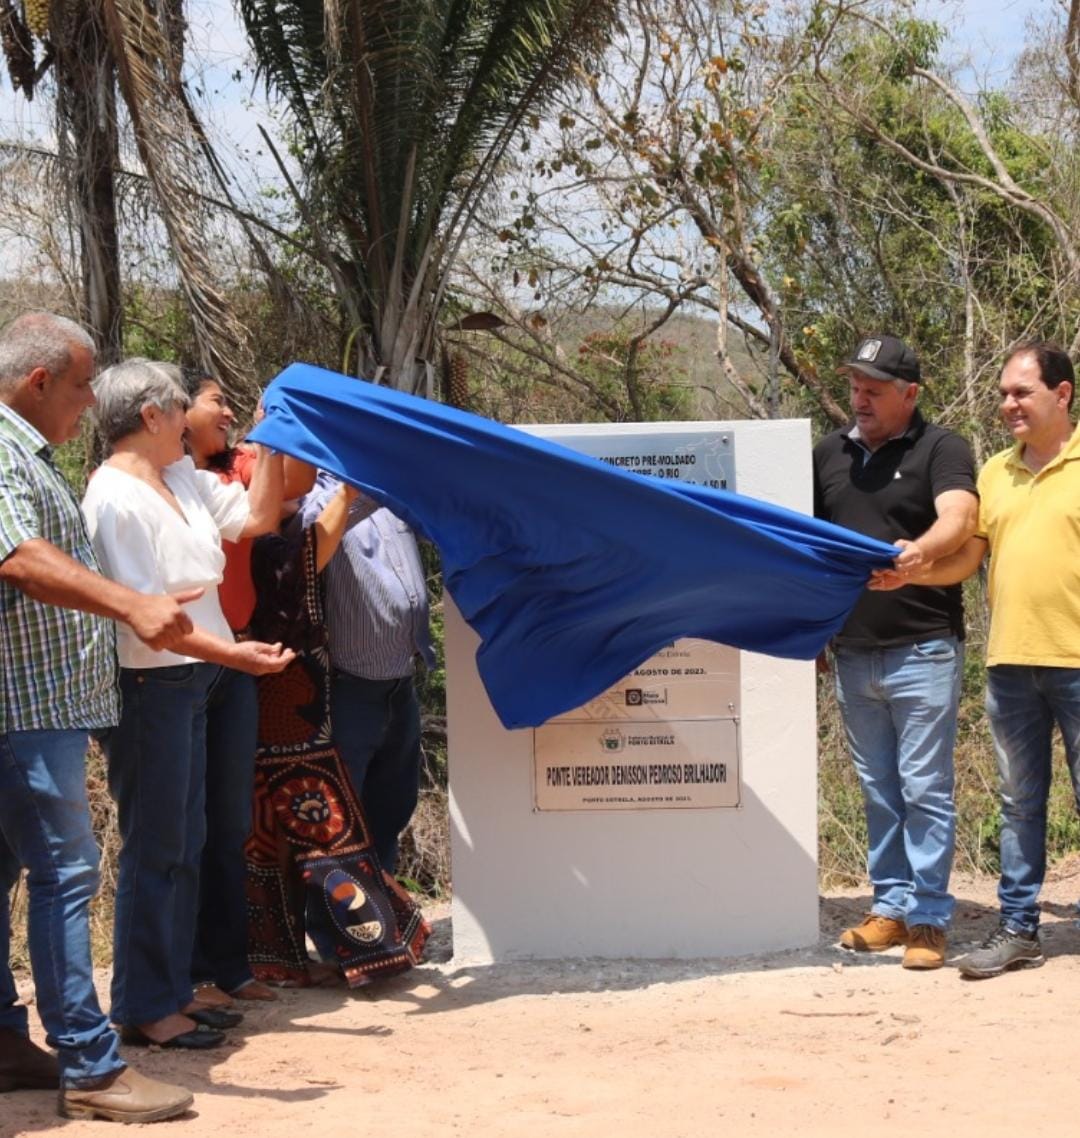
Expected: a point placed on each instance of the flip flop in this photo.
(254, 990)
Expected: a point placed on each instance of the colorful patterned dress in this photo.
(312, 869)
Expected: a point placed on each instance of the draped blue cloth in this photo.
(572, 571)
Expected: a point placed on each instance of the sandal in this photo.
(198, 1039)
(216, 1018)
(211, 995)
(254, 990)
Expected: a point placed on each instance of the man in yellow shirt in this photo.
(1029, 524)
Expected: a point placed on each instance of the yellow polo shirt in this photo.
(1032, 522)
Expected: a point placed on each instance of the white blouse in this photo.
(142, 542)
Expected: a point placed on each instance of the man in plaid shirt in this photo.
(57, 683)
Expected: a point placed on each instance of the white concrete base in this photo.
(649, 883)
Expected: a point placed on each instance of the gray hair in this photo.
(38, 339)
(126, 389)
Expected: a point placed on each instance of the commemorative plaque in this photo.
(666, 736)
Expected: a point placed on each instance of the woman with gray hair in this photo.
(156, 524)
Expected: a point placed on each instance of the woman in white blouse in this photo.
(156, 524)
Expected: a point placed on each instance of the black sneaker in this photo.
(1003, 949)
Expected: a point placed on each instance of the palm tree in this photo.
(402, 111)
(93, 47)
(147, 43)
(69, 37)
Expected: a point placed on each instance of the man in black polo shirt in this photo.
(899, 657)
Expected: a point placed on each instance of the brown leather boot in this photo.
(875, 934)
(125, 1096)
(925, 947)
(24, 1064)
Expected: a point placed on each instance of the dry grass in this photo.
(842, 825)
(425, 848)
(424, 861)
(424, 858)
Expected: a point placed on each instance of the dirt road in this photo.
(812, 1042)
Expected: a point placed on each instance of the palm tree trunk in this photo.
(86, 103)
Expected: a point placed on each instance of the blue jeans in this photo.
(157, 774)
(45, 826)
(1023, 704)
(221, 926)
(899, 707)
(376, 729)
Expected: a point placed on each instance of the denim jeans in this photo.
(221, 926)
(45, 826)
(376, 729)
(157, 774)
(1023, 703)
(899, 709)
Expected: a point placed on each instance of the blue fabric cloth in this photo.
(572, 571)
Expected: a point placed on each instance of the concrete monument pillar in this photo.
(674, 816)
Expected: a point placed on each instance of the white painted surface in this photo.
(654, 883)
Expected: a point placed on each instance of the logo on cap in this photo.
(868, 350)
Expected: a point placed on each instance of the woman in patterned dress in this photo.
(313, 874)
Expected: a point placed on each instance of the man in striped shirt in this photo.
(58, 682)
(377, 618)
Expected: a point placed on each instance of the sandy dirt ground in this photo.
(810, 1042)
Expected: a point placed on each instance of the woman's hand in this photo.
(259, 659)
(266, 492)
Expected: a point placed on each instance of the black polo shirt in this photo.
(889, 494)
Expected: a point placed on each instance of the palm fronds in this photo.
(402, 110)
(171, 150)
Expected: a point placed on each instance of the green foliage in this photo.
(431, 682)
(912, 43)
(157, 324)
(73, 461)
(863, 239)
(643, 377)
(919, 41)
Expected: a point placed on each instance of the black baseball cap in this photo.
(884, 357)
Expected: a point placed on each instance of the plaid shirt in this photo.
(58, 666)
